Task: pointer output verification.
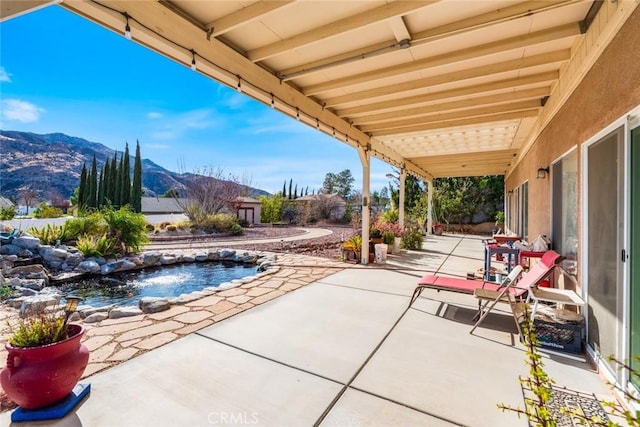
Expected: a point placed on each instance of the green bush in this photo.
(170, 227)
(45, 211)
(97, 246)
(412, 239)
(221, 223)
(150, 228)
(388, 237)
(92, 224)
(126, 228)
(8, 213)
(50, 234)
(390, 216)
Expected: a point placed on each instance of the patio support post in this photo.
(403, 177)
(430, 208)
(365, 159)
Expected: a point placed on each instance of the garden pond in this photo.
(126, 289)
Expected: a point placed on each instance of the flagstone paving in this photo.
(113, 341)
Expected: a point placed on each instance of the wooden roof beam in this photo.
(469, 73)
(440, 117)
(459, 122)
(521, 95)
(350, 23)
(501, 15)
(453, 93)
(244, 16)
(517, 42)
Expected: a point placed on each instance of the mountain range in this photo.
(50, 165)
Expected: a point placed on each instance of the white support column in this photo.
(430, 210)
(403, 178)
(365, 160)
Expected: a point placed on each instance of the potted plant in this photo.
(388, 238)
(46, 358)
(499, 222)
(352, 248)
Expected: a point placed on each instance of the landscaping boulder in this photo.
(111, 267)
(201, 257)
(89, 266)
(127, 265)
(33, 271)
(128, 311)
(213, 255)
(227, 254)
(37, 304)
(167, 260)
(10, 249)
(26, 242)
(96, 317)
(74, 259)
(151, 258)
(154, 304)
(87, 310)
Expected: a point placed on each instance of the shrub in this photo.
(390, 227)
(5, 290)
(171, 227)
(50, 234)
(390, 216)
(91, 224)
(35, 331)
(8, 213)
(126, 228)
(221, 223)
(97, 246)
(150, 228)
(412, 239)
(388, 237)
(163, 225)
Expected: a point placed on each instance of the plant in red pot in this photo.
(46, 358)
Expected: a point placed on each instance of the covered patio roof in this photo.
(437, 88)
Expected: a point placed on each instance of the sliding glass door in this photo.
(634, 253)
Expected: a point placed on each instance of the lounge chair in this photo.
(453, 284)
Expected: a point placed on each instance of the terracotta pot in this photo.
(36, 377)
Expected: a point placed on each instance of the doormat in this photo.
(564, 402)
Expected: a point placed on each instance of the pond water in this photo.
(126, 289)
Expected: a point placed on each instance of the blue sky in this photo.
(61, 73)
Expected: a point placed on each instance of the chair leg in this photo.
(416, 293)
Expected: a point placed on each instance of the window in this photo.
(564, 210)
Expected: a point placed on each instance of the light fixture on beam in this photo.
(193, 60)
(239, 87)
(127, 28)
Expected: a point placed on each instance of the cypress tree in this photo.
(290, 188)
(126, 178)
(82, 191)
(113, 177)
(136, 189)
(106, 182)
(118, 195)
(101, 187)
(93, 184)
(284, 189)
(295, 192)
(306, 191)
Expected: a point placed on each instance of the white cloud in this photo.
(174, 127)
(20, 111)
(4, 76)
(158, 146)
(154, 115)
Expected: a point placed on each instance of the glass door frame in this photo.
(622, 350)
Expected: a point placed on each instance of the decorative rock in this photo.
(37, 304)
(10, 249)
(99, 260)
(35, 284)
(74, 259)
(96, 317)
(151, 258)
(15, 302)
(213, 255)
(75, 317)
(86, 311)
(119, 312)
(11, 258)
(249, 259)
(264, 265)
(167, 260)
(68, 276)
(33, 271)
(27, 292)
(201, 257)
(188, 258)
(26, 242)
(49, 253)
(25, 253)
(154, 304)
(127, 265)
(111, 267)
(89, 266)
(227, 254)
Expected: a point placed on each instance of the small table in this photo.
(555, 296)
(490, 249)
(503, 238)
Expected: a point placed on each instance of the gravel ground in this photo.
(326, 246)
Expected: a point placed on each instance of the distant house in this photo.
(162, 205)
(5, 203)
(327, 206)
(249, 210)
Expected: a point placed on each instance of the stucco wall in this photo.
(608, 91)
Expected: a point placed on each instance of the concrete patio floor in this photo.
(343, 350)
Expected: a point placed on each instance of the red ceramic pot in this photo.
(36, 377)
